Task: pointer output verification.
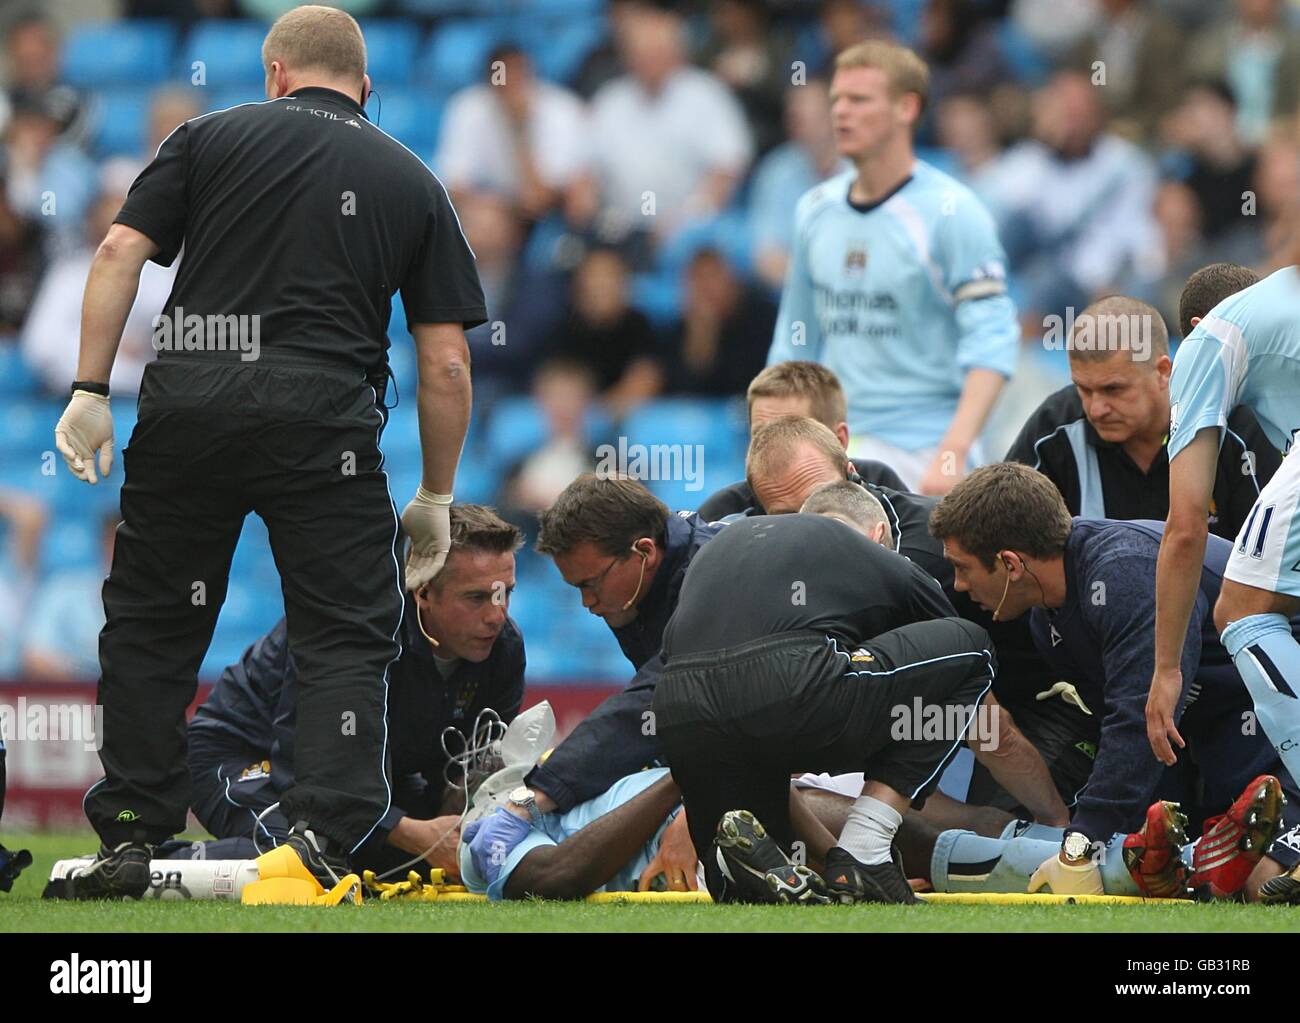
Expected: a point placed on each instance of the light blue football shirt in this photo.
(1246, 351)
(899, 299)
(554, 828)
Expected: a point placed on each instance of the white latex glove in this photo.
(1067, 879)
(85, 427)
(427, 521)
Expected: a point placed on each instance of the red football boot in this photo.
(1232, 843)
(1153, 854)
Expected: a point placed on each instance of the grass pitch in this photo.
(22, 910)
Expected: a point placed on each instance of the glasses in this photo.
(593, 585)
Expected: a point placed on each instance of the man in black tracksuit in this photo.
(242, 739)
(299, 220)
(794, 640)
(591, 521)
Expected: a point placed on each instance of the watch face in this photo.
(521, 795)
(1076, 845)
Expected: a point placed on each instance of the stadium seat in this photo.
(71, 544)
(1023, 58)
(225, 97)
(717, 424)
(99, 54)
(227, 52)
(413, 116)
(558, 50)
(514, 429)
(391, 46)
(658, 295)
(119, 121)
(444, 8)
(16, 378)
(457, 52)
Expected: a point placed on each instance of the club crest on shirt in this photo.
(855, 259)
(262, 769)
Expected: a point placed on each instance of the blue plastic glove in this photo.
(491, 840)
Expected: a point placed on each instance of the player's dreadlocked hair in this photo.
(1002, 507)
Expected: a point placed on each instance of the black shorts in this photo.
(1064, 736)
(735, 724)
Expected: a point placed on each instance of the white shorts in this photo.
(910, 465)
(1266, 553)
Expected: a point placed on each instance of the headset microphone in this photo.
(640, 579)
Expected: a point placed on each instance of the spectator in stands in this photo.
(602, 331)
(20, 265)
(1074, 203)
(1258, 55)
(169, 107)
(32, 58)
(751, 55)
(514, 136)
(959, 43)
(1136, 56)
(1277, 190)
(1178, 217)
(47, 178)
(669, 142)
(1221, 166)
(841, 24)
(563, 390)
(787, 172)
(49, 337)
(965, 126)
(717, 346)
(67, 616)
(1102, 439)
(23, 519)
(495, 233)
(605, 62)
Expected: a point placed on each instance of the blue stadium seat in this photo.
(230, 52)
(391, 45)
(413, 116)
(225, 97)
(1022, 57)
(28, 423)
(716, 424)
(70, 544)
(558, 49)
(442, 8)
(568, 9)
(15, 376)
(514, 429)
(119, 121)
(99, 54)
(457, 52)
(658, 295)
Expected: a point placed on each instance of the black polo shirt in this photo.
(303, 213)
(1100, 481)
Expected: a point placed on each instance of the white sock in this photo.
(870, 830)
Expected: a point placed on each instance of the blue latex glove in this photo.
(491, 840)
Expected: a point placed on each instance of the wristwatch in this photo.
(1076, 845)
(523, 796)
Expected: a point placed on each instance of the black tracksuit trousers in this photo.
(735, 724)
(297, 444)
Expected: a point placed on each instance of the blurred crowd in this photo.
(631, 222)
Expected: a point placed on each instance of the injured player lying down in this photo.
(612, 843)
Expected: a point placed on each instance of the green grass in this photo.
(23, 910)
